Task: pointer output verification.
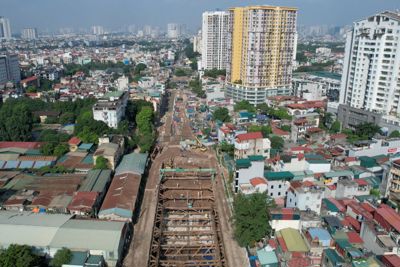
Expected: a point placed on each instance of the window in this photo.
(280, 186)
(279, 193)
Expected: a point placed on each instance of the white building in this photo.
(251, 144)
(214, 40)
(248, 168)
(352, 188)
(122, 83)
(197, 42)
(375, 147)
(5, 29)
(278, 183)
(111, 108)
(371, 70)
(29, 33)
(305, 196)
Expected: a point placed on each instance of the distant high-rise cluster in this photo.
(371, 72)
(5, 28)
(214, 40)
(98, 30)
(29, 33)
(175, 30)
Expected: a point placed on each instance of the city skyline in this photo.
(109, 15)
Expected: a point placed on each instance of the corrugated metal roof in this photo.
(89, 235)
(96, 181)
(26, 164)
(293, 240)
(133, 163)
(29, 228)
(272, 176)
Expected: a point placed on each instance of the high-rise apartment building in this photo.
(371, 72)
(261, 51)
(174, 30)
(5, 28)
(214, 51)
(9, 69)
(98, 30)
(29, 33)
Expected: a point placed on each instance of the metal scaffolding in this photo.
(186, 229)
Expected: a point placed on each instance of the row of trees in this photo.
(23, 256)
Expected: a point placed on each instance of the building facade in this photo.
(29, 33)
(261, 49)
(174, 30)
(214, 40)
(9, 69)
(5, 28)
(371, 70)
(111, 108)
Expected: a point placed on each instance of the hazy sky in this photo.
(53, 14)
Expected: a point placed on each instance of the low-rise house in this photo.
(267, 257)
(251, 144)
(282, 218)
(278, 183)
(84, 203)
(110, 151)
(74, 143)
(317, 240)
(248, 168)
(351, 188)
(305, 196)
(331, 258)
(377, 240)
(301, 123)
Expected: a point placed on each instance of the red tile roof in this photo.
(353, 222)
(361, 182)
(257, 181)
(83, 201)
(394, 260)
(26, 145)
(74, 141)
(249, 136)
(29, 79)
(390, 216)
(354, 238)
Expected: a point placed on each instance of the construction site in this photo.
(184, 219)
(186, 229)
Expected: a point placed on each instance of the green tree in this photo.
(227, 148)
(31, 89)
(144, 120)
(394, 134)
(266, 130)
(146, 142)
(47, 149)
(180, 72)
(67, 118)
(335, 127)
(101, 163)
(139, 68)
(88, 129)
(18, 256)
(286, 128)
(214, 73)
(221, 114)
(60, 150)
(367, 129)
(62, 256)
(251, 218)
(15, 121)
(375, 193)
(244, 105)
(277, 142)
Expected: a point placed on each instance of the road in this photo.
(169, 137)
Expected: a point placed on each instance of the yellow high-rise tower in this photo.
(261, 50)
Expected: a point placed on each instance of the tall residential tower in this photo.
(5, 29)
(371, 72)
(214, 51)
(261, 51)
